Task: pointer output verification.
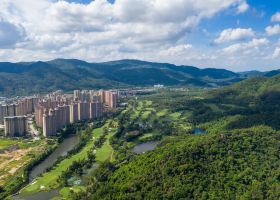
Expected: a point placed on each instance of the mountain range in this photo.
(68, 74)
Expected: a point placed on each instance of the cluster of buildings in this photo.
(56, 110)
(13, 115)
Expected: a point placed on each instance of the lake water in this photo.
(38, 196)
(146, 146)
(199, 131)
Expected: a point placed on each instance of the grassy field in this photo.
(65, 193)
(5, 143)
(102, 154)
(49, 180)
(146, 114)
(162, 112)
(106, 151)
(175, 115)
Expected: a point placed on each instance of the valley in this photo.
(207, 142)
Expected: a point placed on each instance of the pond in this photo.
(146, 146)
(199, 131)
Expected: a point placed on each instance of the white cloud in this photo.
(276, 17)
(246, 47)
(273, 30)
(148, 23)
(276, 53)
(157, 30)
(243, 7)
(177, 50)
(234, 35)
(10, 34)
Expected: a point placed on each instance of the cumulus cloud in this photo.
(276, 17)
(230, 34)
(273, 30)
(246, 47)
(276, 53)
(243, 7)
(54, 24)
(177, 50)
(10, 34)
(140, 29)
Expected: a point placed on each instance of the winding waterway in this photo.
(64, 147)
(68, 144)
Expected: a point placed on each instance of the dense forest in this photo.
(236, 158)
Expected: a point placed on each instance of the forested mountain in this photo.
(31, 77)
(237, 158)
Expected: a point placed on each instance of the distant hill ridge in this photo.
(68, 74)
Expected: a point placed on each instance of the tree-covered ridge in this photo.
(233, 165)
(33, 77)
(237, 158)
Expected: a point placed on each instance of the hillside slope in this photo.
(31, 77)
(237, 158)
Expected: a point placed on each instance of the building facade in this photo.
(15, 126)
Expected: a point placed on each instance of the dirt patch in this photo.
(11, 161)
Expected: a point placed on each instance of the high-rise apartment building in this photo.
(67, 114)
(3, 113)
(39, 112)
(111, 98)
(83, 110)
(49, 123)
(11, 110)
(74, 116)
(96, 110)
(77, 95)
(15, 126)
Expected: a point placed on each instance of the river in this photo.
(67, 144)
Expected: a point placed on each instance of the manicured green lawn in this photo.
(175, 115)
(49, 180)
(66, 191)
(151, 109)
(135, 114)
(148, 103)
(106, 151)
(162, 113)
(139, 106)
(145, 114)
(146, 135)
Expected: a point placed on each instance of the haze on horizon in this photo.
(238, 35)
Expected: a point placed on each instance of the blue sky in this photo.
(234, 34)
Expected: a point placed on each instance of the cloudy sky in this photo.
(234, 34)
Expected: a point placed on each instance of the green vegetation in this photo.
(34, 77)
(201, 167)
(76, 162)
(106, 150)
(19, 156)
(5, 143)
(237, 158)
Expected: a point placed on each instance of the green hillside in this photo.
(237, 158)
(32, 77)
